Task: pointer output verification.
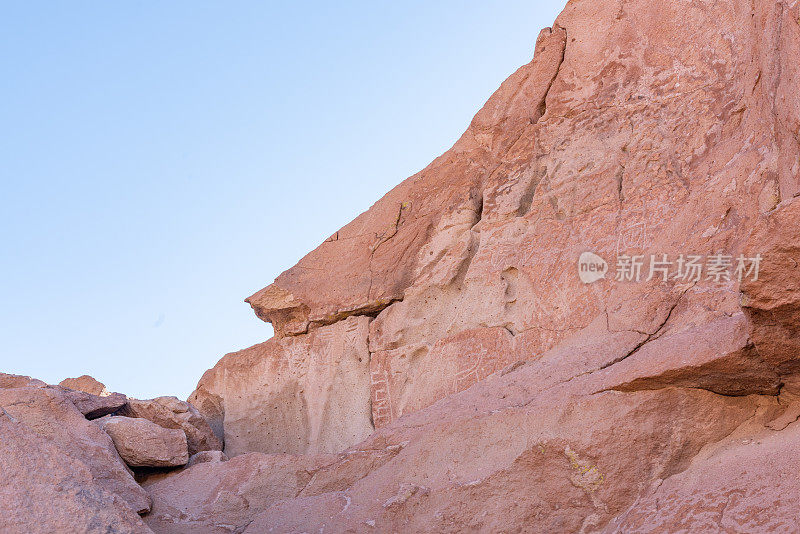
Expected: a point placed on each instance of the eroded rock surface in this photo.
(87, 384)
(142, 443)
(640, 129)
(572, 459)
(18, 381)
(439, 364)
(307, 394)
(49, 413)
(637, 130)
(170, 412)
(44, 490)
(743, 484)
(221, 497)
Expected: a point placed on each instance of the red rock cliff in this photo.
(507, 393)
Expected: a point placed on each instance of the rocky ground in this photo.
(440, 364)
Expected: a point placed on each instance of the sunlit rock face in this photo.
(583, 317)
(638, 130)
(295, 394)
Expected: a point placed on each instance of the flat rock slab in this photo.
(94, 406)
(221, 497)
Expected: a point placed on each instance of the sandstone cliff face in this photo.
(640, 129)
(302, 394)
(637, 129)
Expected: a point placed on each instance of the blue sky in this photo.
(161, 161)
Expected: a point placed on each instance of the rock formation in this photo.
(302, 394)
(87, 384)
(663, 132)
(66, 464)
(207, 456)
(142, 443)
(630, 133)
(42, 490)
(170, 412)
(49, 413)
(583, 317)
(226, 496)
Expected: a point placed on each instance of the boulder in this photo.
(87, 384)
(44, 490)
(142, 443)
(94, 406)
(49, 413)
(169, 412)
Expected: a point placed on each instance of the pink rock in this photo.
(87, 384)
(49, 413)
(18, 381)
(142, 443)
(602, 143)
(369, 263)
(170, 412)
(740, 486)
(306, 394)
(718, 356)
(570, 458)
(638, 129)
(773, 301)
(445, 347)
(410, 378)
(207, 456)
(225, 496)
(94, 406)
(44, 489)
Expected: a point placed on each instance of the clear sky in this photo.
(161, 161)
